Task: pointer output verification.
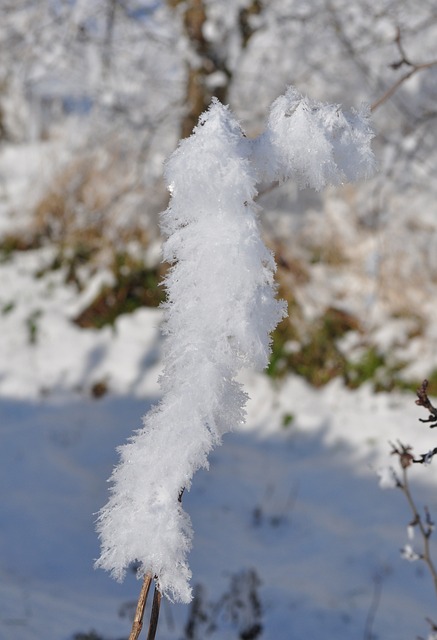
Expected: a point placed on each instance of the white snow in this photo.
(323, 528)
(219, 313)
(301, 504)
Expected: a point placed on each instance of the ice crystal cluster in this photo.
(220, 310)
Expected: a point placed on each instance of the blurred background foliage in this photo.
(94, 96)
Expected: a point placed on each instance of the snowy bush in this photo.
(219, 313)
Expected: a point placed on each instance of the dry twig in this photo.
(137, 624)
(425, 527)
(154, 616)
(403, 60)
(425, 524)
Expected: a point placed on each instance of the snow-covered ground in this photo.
(290, 517)
(300, 504)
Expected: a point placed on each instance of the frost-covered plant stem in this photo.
(219, 313)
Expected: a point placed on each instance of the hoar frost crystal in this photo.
(220, 310)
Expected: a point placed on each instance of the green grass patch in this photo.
(135, 286)
(287, 420)
(316, 357)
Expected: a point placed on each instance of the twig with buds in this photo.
(424, 401)
(423, 523)
(404, 60)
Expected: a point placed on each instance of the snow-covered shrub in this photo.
(219, 313)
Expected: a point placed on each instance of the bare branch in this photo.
(388, 94)
(403, 60)
(425, 527)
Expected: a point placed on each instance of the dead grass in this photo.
(135, 285)
(81, 207)
(94, 210)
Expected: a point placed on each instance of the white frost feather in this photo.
(219, 313)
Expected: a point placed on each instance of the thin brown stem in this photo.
(137, 624)
(403, 60)
(388, 94)
(154, 616)
(424, 531)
